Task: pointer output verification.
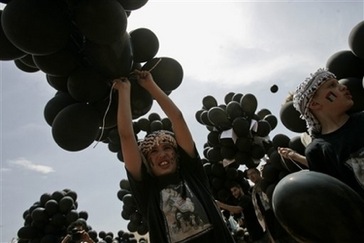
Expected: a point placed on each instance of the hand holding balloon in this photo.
(143, 77)
(290, 154)
(286, 153)
(121, 84)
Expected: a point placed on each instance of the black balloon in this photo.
(141, 100)
(28, 232)
(241, 126)
(167, 72)
(37, 27)
(263, 112)
(356, 89)
(280, 140)
(228, 97)
(132, 4)
(66, 204)
(270, 173)
(145, 44)
(87, 85)
(272, 120)
(55, 105)
(257, 151)
(234, 110)
(290, 118)
(208, 102)
(356, 40)
(24, 67)
(263, 128)
(7, 49)
(107, 110)
(144, 124)
(112, 60)
(237, 97)
(28, 60)
(102, 22)
(51, 207)
(218, 118)
(249, 103)
(345, 64)
(205, 119)
(315, 207)
(76, 127)
(274, 88)
(154, 116)
(60, 63)
(58, 83)
(156, 125)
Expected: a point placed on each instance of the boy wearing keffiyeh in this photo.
(337, 147)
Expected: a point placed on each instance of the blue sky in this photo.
(223, 46)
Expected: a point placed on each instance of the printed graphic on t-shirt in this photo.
(185, 217)
(356, 162)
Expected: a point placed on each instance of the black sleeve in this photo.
(193, 166)
(322, 158)
(139, 190)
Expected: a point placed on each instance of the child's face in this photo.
(253, 175)
(236, 192)
(162, 159)
(333, 96)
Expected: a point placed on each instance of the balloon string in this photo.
(108, 106)
(104, 118)
(155, 65)
(294, 162)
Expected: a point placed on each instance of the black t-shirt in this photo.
(189, 185)
(341, 153)
(183, 213)
(252, 224)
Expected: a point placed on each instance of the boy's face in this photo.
(253, 175)
(236, 191)
(162, 159)
(333, 97)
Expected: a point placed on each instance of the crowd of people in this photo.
(172, 190)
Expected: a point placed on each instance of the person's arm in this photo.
(289, 153)
(129, 145)
(230, 208)
(66, 239)
(180, 128)
(86, 238)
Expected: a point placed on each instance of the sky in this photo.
(223, 46)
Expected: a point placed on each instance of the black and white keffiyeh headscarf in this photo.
(304, 94)
(155, 138)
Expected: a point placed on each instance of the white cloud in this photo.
(29, 165)
(2, 169)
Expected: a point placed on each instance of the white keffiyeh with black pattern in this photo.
(303, 96)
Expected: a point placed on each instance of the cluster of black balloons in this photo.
(222, 177)
(48, 219)
(238, 135)
(121, 237)
(81, 46)
(236, 131)
(137, 223)
(277, 167)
